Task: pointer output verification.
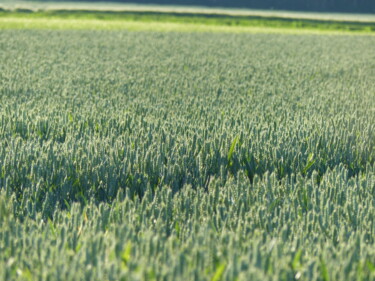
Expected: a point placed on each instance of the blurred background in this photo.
(346, 6)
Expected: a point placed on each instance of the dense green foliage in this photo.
(191, 18)
(167, 156)
(353, 6)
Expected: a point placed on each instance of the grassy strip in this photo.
(154, 21)
(84, 24)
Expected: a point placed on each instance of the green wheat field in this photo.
(153, 155)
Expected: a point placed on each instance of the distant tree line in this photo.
(353, 6)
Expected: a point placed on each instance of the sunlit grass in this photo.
(15, 22)
(173, 21)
